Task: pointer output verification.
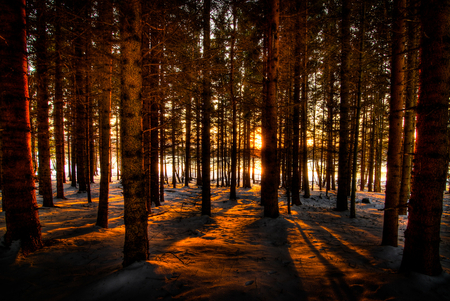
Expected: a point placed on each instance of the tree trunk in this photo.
(269, 182)
(58, 108)
(18, 194)
(187, 167)
(106, 18)
(411, 99)
(135, 214)
(233, 104)
(394, 159)
(422, 237)
(343, 172)
(206, 122)
(45, 181)
(80, 106)
(295, 185)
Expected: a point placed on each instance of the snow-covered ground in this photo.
(313, 254)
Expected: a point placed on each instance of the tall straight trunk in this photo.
(363, 152)
(135, 214)
(269, 182)
(371, 153)
(174, 165)
(206, 122)
(343, 171)
(304, 100)
(358, 113)
(155, 86)
(80, 105)
(187, 167)
(106, 19)
(162, 147)
(45, 181)
(198, 141)
(394, 158)
(422, 236)
(330, 144)
(234, 109)
(146, 101)
(410, 103)
(379, 152)
(58, 108)
(295, 185)
(18, 194)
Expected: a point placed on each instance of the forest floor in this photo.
(313, 254)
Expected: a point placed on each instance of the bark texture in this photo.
(18, 194)
(422, 236)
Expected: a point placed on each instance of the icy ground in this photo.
(313, 254)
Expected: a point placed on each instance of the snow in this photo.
(315, 253)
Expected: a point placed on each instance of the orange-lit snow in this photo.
(314, 254)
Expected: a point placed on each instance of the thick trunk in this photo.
(343, 171)
(422, 237)
(135, 214)
(18, 194)
(269, 181)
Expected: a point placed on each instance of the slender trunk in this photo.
(106, 17)
(206, 122)
(358, 113)
(187, 177)
(233, 104)
(45, 181)
(411, 99)
(58, 108)
(393, 176)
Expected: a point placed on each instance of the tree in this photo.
(393, 176)
(269, 180)
(45, 181)
(135, 213)
(18, 194)
(59, 106)
(105, 21)
(421, 252)
(206, 122)
(343, 171)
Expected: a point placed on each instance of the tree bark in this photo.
(410, 103)
(269, 181)
(58, 107)
(135, 214)
(394, 159)
(106, 20)
(18, 194)
(45, 181)
(206, 122)
(343, 171)
(422, 236)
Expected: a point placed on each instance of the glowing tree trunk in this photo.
(106, 17)
(269, 181)
(422, 236)
(22, 220)
(135, 214)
